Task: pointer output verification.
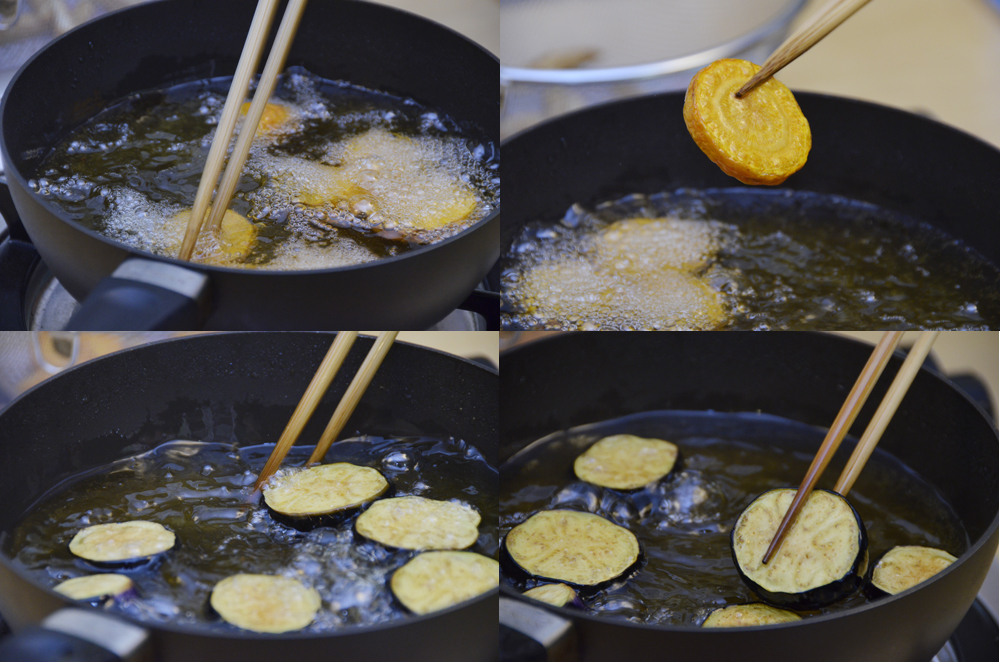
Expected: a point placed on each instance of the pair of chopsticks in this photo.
(252, 50)
(848, 412)
(805, 37)
(327, 370)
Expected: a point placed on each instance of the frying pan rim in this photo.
(820, 97)
(571, 614)
(194, 630)
(12, 169)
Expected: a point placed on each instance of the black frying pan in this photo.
(573, 379)
(243, 387)
(914, 168)
(168, 42)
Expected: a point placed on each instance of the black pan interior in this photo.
(204, 39)
(573, 379)
(236, 388)
(916, 169)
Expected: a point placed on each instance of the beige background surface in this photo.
(940, 57)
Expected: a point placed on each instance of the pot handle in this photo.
(553, 633)
(75, 635)
(145, 295)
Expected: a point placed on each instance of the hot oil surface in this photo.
(683, 522)
(781, 260)
(136, 164)
(200, 491)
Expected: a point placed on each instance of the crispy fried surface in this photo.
(554, 594)
(821, 547)
(905, 567)
(324, 489)
(436, 580)
(759, 139)
(414, 522)
(275, 115)
(570, 546)
(236, 239)
(735, 616)
(121, 541)
(94, 586)
(265, 603)
(625, 462)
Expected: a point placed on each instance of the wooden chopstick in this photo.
(805, 37)
(841, 424)
(265, 87)
(885, 412)
(252, 50)
(307, 405)
(353, 394)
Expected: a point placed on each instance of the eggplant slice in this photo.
(735, 616)
(904, 567)
(573, 547)
(96, 587)
(436, 580)
(324, 489)
(122, 543)
(557, 595)
(265, 603)
(822, 559)
(413, 522)
(626, 462)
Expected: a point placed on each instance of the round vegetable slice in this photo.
(626, 462)
(557, 595)
(904, 567)
(572, 547)
(324, 489)
(414, 522)
(759, 139)
(822, 559)
(98, 587)
(436, 580)
(265, 603)
(735, 616)
(122, 543)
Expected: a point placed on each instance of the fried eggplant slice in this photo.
(122, 543)
(265, 603)
(324, 489)
(822, 559)
(904, 567)
(577, 548)
(625, 462)
(413, 522)
(557, 595)
(97, 588)
(736, 616)
(759, 139)
(436, 580)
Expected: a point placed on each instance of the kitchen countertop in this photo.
(938, 58)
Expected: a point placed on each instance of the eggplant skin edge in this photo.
(820, 596)
(509, 567)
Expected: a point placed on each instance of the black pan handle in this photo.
(486, 304)
(75, 635)
(553, 634)
(145, 295)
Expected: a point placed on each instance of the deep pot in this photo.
(240, 388)
(574, 379)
